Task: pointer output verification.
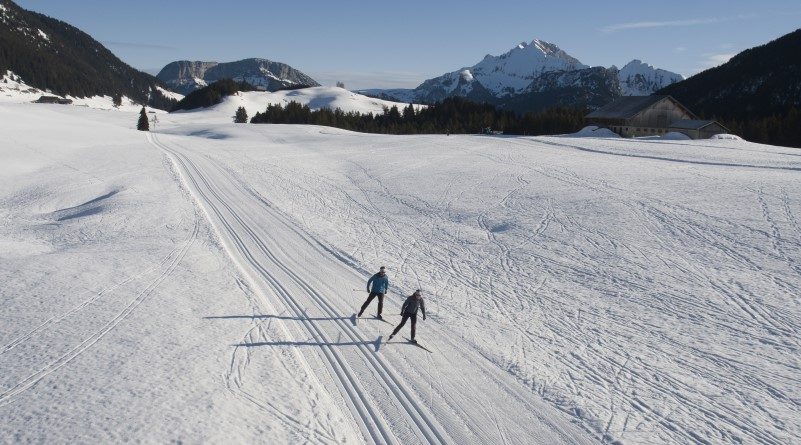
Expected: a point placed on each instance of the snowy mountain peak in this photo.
(638, 78)
(512, 71)
(539, 67)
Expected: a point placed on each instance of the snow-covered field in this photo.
(197, 284)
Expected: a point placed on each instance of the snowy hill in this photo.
(51, 55)
(187, 76)
(315, 98)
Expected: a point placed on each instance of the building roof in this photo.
(625, 107)
(691, 124)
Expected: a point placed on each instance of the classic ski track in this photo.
(362, 404)
(479, 360)
(355, 397)
(380, 368)
(10, 395)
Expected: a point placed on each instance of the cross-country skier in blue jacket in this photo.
(377, 286)
(409, 311)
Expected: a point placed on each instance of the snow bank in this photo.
(727, 136)
(675, 136)
(592, 131)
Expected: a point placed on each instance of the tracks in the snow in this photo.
(165, 268)
(264, 262)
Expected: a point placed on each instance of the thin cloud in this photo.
(713, 60)
(139, 45)
(661, 24)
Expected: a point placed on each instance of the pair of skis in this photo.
(355, 317)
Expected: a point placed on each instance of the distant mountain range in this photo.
(51, 55)
(185, 76)
(534, 76)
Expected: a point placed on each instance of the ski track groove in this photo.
(338, 365)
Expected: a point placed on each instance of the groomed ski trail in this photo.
(280, 260)
(253, 255)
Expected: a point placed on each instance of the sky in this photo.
(377, 44)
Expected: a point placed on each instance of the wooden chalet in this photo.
(635, 116)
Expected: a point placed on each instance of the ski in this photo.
(419, 345)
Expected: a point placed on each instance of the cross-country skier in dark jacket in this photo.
(377, 286)
(409, 311)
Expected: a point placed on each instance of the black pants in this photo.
(403, 322)
(370, 299)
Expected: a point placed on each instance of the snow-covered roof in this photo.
(628, 106)
(625, 107)
(691, 124)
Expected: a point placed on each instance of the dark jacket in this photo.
(412, 304)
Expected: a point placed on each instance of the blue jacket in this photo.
(379, 284)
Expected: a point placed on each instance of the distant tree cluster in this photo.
(453, 115)
(212, 94)
(777, 129)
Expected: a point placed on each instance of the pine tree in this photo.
(241, 116)
(117, 100)
(143, 124)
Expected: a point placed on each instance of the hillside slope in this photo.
(52, 55)
(757, 82)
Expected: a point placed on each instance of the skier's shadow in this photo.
(274, 317)
(375, 343)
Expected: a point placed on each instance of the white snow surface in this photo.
(314, 97)
(170, 94)
(732, 137)
(675, 136)
(197, 285)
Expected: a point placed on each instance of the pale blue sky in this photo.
(399, 44)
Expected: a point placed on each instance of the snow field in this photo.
(197, 284)
(618, 278)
